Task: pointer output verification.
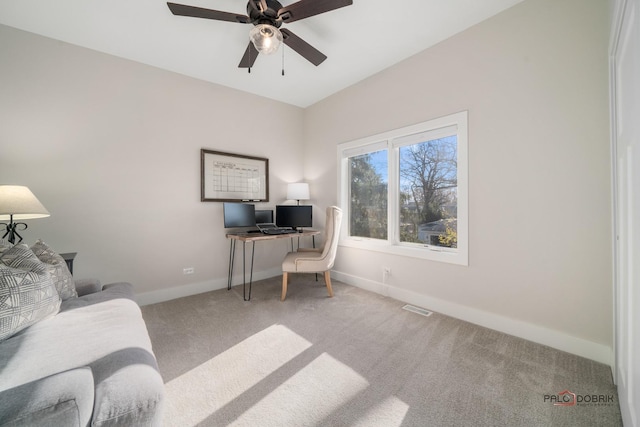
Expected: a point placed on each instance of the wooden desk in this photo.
(253, 238)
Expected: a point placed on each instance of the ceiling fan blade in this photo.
(249, 57)
(306, 8)
(198, 12)
(307, 51)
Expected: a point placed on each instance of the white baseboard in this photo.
(162, 295)
(558, 340)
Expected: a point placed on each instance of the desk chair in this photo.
(319, 260)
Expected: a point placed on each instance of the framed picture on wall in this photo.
(228, 177)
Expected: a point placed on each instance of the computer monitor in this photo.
(294, 216)
(239, 215)
(264, 216)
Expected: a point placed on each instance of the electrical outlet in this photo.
(188, 270)
(386, 272)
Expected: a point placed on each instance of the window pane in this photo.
(429, 192)
(368, 195)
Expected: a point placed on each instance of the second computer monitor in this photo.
(294, 216)
(264, 216)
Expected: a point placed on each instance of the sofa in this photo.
(77, 354)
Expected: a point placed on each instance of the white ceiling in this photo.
(359, 40)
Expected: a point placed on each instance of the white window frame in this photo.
(392, 141)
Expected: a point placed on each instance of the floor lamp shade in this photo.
(298, 191)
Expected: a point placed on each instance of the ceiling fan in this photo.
(267, 16)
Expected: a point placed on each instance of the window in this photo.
(368, 195)
(405, 191)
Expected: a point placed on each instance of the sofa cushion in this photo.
(60, 274)
(64, 399)
(27, 294)
(109, 291)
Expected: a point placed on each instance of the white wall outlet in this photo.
(188, 270)
(386, 272)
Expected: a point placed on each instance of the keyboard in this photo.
(272, 231)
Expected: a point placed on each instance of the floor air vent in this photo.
(417, 310)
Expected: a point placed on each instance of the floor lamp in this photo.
(17, 202)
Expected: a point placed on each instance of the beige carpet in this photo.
(358, 359)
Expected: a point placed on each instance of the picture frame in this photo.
(229, 177)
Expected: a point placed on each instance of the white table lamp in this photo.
(16, 203)
(298, 191)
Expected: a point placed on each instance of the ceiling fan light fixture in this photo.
(266, 38)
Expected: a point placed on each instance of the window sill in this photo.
(458, 257)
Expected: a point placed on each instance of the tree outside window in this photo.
(368, 195)
(428, 192)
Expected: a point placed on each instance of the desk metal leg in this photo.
(232, 256)
(232, 252)
(253, 251)
(313, 240)
(244, 279)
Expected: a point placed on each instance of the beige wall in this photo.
(112, 150)
(534, 80)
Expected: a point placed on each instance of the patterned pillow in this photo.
(4, 245)
(58, 269)
(27, 294)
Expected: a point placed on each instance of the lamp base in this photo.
(12, 231)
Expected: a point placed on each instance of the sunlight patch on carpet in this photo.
(308, 397)
(389, 413)
(197, 394)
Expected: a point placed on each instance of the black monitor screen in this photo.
(294, 216)
(264, 216)
(239, 215)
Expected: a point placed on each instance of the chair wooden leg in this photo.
(327, 280)
(284, 285)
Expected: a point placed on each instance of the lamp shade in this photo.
(266, 38)
(298, 191)
(18, 201)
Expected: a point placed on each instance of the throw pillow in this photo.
(58, 269)
(27, 294)
(4, 245)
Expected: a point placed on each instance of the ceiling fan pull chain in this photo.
(283, 60)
